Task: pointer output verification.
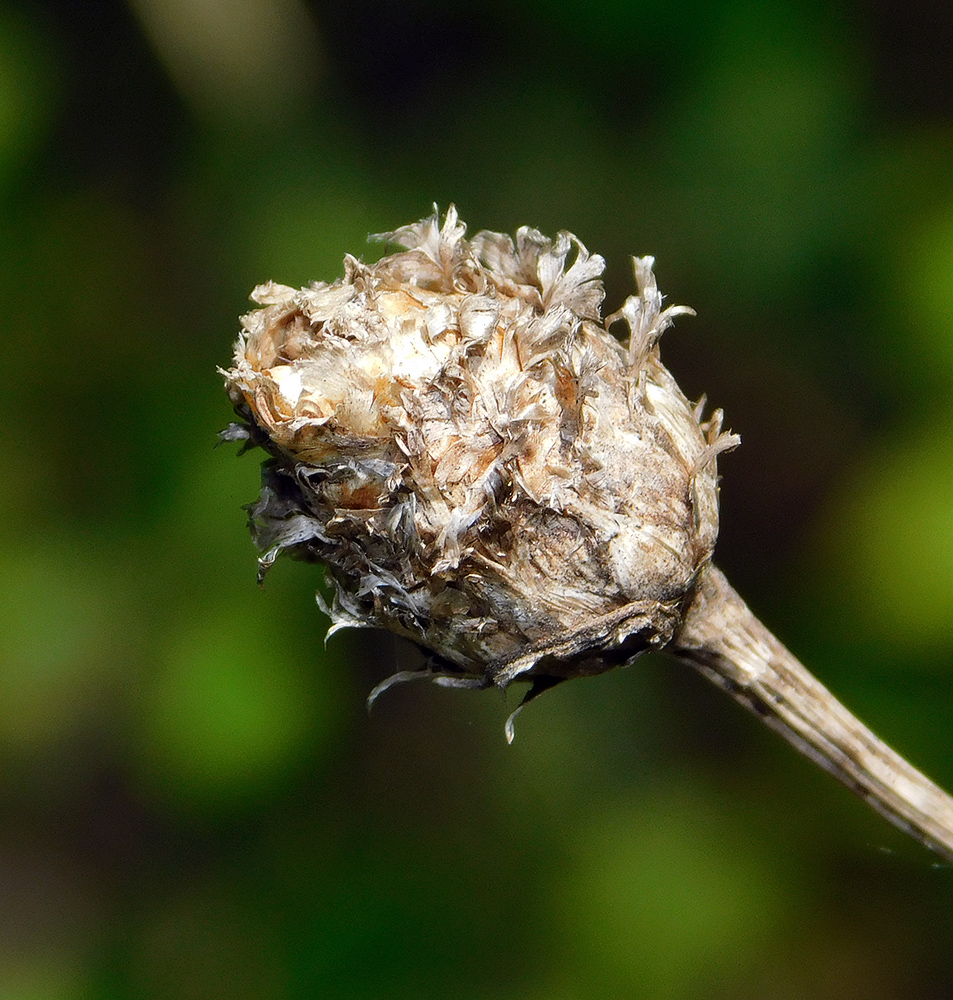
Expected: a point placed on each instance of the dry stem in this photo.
(722, 639)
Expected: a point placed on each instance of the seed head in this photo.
(485, 469)
(482, 466)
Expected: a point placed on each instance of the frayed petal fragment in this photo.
(644, 314)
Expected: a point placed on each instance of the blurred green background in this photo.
(193, 801)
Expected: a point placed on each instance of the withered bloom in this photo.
(485, 469)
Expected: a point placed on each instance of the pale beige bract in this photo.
(484, 467)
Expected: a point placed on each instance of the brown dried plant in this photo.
(486, 470)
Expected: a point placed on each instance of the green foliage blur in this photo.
(193, 801)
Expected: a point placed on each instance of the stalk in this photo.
(725, 642)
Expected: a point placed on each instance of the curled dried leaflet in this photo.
(485, 469)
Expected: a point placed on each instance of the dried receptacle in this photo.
(485, 469)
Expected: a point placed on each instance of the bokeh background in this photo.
(193, 800)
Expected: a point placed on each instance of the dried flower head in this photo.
(482, 465)
(485, 469)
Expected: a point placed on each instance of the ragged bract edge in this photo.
(482, 466)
